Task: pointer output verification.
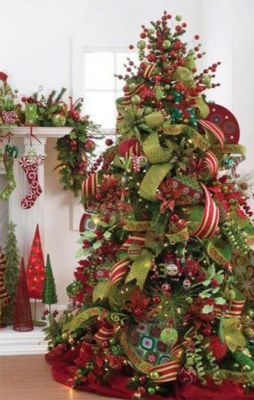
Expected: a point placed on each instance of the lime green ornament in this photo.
(179, 18)
(151, 390)
(141, 44)
(166, 44)
(154, 120)
(136, 99)
(59, 120)
(169, 336)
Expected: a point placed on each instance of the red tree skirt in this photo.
(116, 388)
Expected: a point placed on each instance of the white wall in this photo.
(36, 50)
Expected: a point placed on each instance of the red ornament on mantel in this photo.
(35, 271)
(22, 314)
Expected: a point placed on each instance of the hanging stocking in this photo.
(10, 153)
(30, 167)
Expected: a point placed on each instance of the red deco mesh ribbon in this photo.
(210, 217)
(22, 315)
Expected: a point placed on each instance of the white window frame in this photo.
(77, 78)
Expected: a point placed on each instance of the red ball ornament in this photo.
(108, 142)
(218, 348)
(89, 145)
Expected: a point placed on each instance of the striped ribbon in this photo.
(90, 185)
(149, 70)
(211, 161)
(213, 128)
(130, 93)
(167, 372)
(104, 334)
(138, 239)
(234, 309)
(210, 217)
(119, 270)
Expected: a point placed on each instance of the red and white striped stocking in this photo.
(31, 167)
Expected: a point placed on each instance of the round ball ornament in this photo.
(58, 120)
(171, 269)
(87, 223)
(169, 336)
(186, 283)
(222, 117)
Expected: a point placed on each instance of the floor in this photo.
(29, 378)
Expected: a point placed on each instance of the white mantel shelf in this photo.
(38, 131)
(18, 343)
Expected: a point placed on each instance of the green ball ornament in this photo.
(169, 336)
(58, 120)
(154, 375)
(141, 44)
(132, 86)
(250, 313)
(151, 390)
(179, 18)
(166, 44)
(136, 99)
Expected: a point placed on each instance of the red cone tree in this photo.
(22, 314)
(35, 271)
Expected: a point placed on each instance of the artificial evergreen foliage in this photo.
(49, 292)
(12, 270)
(4, 299)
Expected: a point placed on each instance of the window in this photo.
(101, 88)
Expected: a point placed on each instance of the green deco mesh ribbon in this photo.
(153, 150)
(152, 180)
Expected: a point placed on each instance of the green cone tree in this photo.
(12, 270)
(49, 292)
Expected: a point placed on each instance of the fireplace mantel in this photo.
(26, 220)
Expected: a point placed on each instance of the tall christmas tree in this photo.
(12, 270)
(4, 298)
(35, 268)
(163, 309)
(49, 291)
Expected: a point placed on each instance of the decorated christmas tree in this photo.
(12, 270)
(4, 298)
(35, 268)
(49, 291)
(162, 308)
(22, 314)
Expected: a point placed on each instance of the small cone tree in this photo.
(35, 268)
(49, 292)
(22, 314)
(4, 298)
(12, 270)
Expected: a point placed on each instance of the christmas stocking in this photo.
(30, 168)
(10, 153)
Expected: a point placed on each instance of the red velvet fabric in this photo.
(117, 386)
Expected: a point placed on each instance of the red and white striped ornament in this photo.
(167, 372)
